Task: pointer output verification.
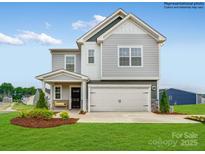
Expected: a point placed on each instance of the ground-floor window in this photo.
(57, 92)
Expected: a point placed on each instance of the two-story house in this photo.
(116, 67)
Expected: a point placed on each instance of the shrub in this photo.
(42, 102)
(23, 114)
(197, 118)
(64, 115)
(37, 113)
(82, 112)
(164, 103)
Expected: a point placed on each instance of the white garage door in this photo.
(119, 98)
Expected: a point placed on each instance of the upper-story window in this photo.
(124, 57)
(91, 56)
(70, 63)
(130, 56)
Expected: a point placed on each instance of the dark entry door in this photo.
(75, 94)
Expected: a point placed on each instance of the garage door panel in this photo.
(119, 99)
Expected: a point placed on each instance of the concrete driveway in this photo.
(130, 117)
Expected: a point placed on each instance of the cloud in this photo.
(85, 25)
(99, 18)
(39, 37)
(47, 25)
(5, 39)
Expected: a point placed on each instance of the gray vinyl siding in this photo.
(58, 60)
(110, 56)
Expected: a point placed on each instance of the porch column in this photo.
(51, 96)
(83, 95)
(43, 86)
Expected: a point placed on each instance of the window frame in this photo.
(56, 86)
(130, 55)
(73, 63)
(89, 56)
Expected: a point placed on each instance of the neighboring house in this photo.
(28, 100)
(7, 99)
(201, 98)
(181, 97)
(114, 68)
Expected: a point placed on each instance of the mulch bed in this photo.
(173, 113)
(42, 123)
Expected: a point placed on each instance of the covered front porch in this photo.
(68, 90)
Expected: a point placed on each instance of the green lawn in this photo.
(21, 106)
(190, 109)
(101, 136)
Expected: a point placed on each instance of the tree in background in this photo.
(164, 102)
(18, 94)
(29, 91)
(42, 102)
(6, 89)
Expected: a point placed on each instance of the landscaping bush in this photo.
(82, 112)
(164, 103)
(37, 113)
(42, 102)
(23, 114)
(64, 115)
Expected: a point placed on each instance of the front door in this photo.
(75, 96)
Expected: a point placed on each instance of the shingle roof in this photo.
(64, 50)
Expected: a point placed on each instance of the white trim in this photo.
(158, 99)
(101, 25)
(60, 92)
(94, 55)
(145, 26)
(129, 78)
(75, 77)
(84, 96)
(121, 85)
(51, 96)
(65, 56)
(149, 99)
(97, 30)
(88, 98)
(41, 77)
(130, 57)
(159, 50)
(101, 60)
(70, 97)
(65, 81)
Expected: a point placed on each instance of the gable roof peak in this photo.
(151, 31)
(118, 12)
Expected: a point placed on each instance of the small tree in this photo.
(42, 102)
(164, 102)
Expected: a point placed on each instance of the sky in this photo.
(28, 30)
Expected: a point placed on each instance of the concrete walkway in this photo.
(9, 109)
(129, 117)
